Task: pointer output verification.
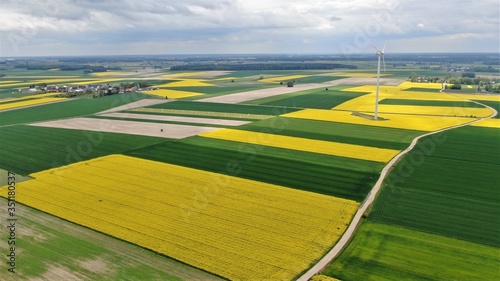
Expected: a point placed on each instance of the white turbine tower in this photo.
(380, 54)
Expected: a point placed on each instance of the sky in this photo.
(128, 27)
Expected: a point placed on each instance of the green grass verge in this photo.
(338, 132)
(70, 108)
(447, 187)
(315, 98)
(222, 107)
(430, 103)
(331, 175)
(47, 246)
(384, 252)
(28, 149)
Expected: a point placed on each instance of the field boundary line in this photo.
(349, 233)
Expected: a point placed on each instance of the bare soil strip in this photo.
(269, 92)
(141, 103)
(209, 121)
(172, 131)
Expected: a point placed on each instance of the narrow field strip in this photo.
(172, 94)
(241, 229)
(490, 123)
(430, 110)
(400, 121)
(303, 144)
(282, 78)
(172, 131)
(187, 83)
(157, 117)
(202, 113)
(30, 102)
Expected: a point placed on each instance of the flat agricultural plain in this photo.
(237, 176)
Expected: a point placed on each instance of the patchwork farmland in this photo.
(230, 175)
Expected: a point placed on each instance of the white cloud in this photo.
(41, 26)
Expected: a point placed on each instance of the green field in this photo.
(28, 149)
(49, 248)
(222, 107)
(70, 108)
(338, 132)
(384, 252)
(331, 175)
(452, 192)
(315, 98)
(430, 103)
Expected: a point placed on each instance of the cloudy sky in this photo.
(95, 27)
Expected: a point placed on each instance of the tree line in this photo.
(260, 66)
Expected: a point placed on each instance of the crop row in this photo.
(331, 175)
(374, 136)
(384, 252)
(303, 144)
(448, 188)
(70, 108)
(27, 149)
(233, 227)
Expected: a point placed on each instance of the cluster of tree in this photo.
(414, 77)
(260, 66)
(454, 87)
(471, 81)
(141, 84)
(489, 68)
(491, 88)
(2, 75)
(469, 75)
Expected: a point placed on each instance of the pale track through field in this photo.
(275, 91)
(346, 237)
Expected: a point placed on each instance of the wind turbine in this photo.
(380, 54)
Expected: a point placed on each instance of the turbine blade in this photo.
(383, 60)
(378, 51)
(383, 49)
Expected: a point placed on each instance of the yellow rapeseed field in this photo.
(42, 95)
(303, 144)
(172, 94)
(408, 84)
(236, 228)
(282, 78)
(23, 103)
(366, 103)
(400, 121)
(187, 83)
(490, 123)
